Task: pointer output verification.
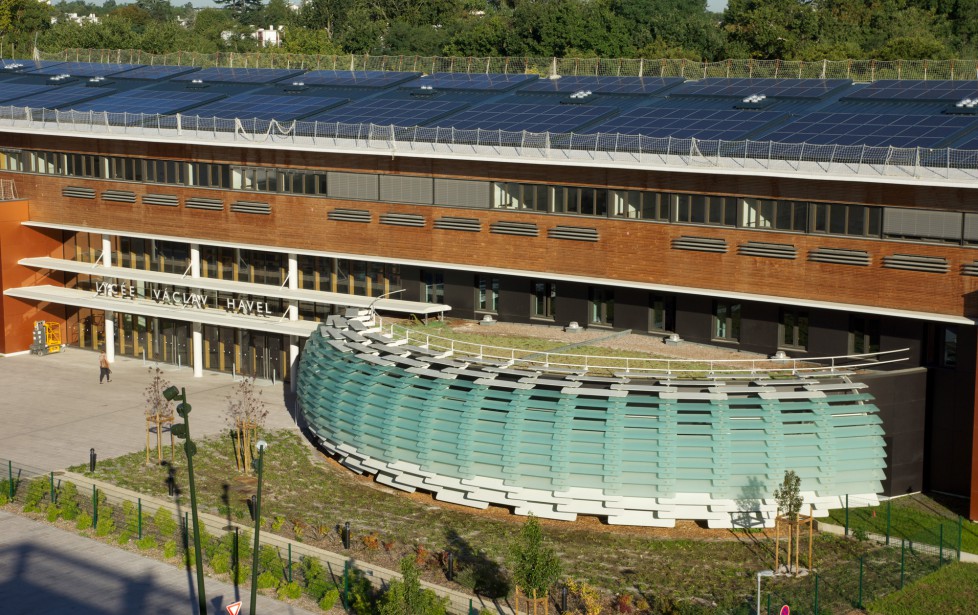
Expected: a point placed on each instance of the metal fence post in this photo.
(52, 487)
(769, 603)
(10, 479)
(139, 517)
(859, 603)
(94, 506)
(959, 537)
(888, 506)
(816, 593)
(290, 562)
(234, 556)
(847, 514)
(903, 552)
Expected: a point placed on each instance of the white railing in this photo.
(593, 149)
(644, 366)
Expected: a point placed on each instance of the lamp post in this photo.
(370, 308)
(182, 431)
(262, 445)
(762, 573)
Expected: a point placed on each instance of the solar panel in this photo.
(84, 69)
(9, 91)
(516, 117)
(60, 97)
(391, 112)
(355, 78)
(875, 129)
(26, 65)
(281, 107)
(470, 81)
(922, 91)
(812, 89)
(155, 73)
(149, 102)
(240, 75)
(603, 85)
(720, 124)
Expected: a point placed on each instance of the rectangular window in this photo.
(434, 286)
(775, 215)
(726, 321)
(528, 197)
(793, 327)
(864, 335)
(949, 347)
(837, 219)
(703, 209)
(487, 290)
(640, 205)
(661, 313)
(544, 299)
(602, 305)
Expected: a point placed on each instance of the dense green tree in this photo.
(405, 596)
(243, 11)
(535, 565)
(310, 42)
(771, 29)
(478, 36)
(276, 13)
(362, 30)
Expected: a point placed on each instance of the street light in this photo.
(262, 445)
(182, 431)
(763, 573)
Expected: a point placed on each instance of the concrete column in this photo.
(110, 335)
(195, 260)
(106, 251)
(293, 315)
(198, 358)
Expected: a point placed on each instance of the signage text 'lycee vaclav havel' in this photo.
(194, 300)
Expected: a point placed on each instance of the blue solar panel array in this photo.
(875, 129)
(516, 117)
(813, 89)
(10, 91)
(392, 112)
(239, 75)
(155, 73)
(60, 97)
(84, 69)
(823, 112)
(148, 101)
(356, 78)
(917, 91)
(603, 85)
(471, 81)
(721, 124)
(280, 107)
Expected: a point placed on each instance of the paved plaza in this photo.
(52, 411)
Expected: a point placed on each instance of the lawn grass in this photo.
(915, 518)
(303, 488)
(952, 589)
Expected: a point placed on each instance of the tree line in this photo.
(763, 29)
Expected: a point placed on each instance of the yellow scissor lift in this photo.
(47, 338)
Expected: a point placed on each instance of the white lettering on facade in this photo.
(199, 301)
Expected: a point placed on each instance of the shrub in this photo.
(53, 513)
(371, 541)
(106, 523)
(407, 596)
(267, 580)
(131, 514)
(421, 554)
(4, 492)
(170, 549)
(290, 591)
(124, 537)
(361, 598)
(36, 490)
(318, 583)
(587, 595)
(83, 521)
(328, 601)
(68, 501)
(221, 562)
(270, 561)
(277, 522)
(165, 523)
(146, 542)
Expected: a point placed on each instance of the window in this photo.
(793, 327)
(582, 201)
(602, 305)
(661, 313)
(726, 321)
(640, 205)
(702, 209)
(949, 347)
(532, 197)
(434, 286)
(487, 290)
(775, 215)
(544, 299)
(864, 335)
(836, 219)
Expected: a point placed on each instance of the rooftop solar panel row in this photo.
(156, 73)
(356, 78)
(84, 69)
(878, 129)
(723, 124)
(150, 102)
(812, 89)
(240, 75)
(471, 81)
(517, 117)
(903, 90)
(603, 85)
(389, 111)
(281, 107)
(60, 97)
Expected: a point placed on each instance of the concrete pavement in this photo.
(52, 411)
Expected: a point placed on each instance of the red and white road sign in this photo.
(234, 608)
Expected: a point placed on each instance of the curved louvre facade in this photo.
(639, 451)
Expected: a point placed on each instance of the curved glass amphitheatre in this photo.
(634, 445)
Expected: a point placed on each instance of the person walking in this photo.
(103, 365)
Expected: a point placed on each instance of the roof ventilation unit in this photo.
(755, 101)
(197, 84)
(965, 106)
